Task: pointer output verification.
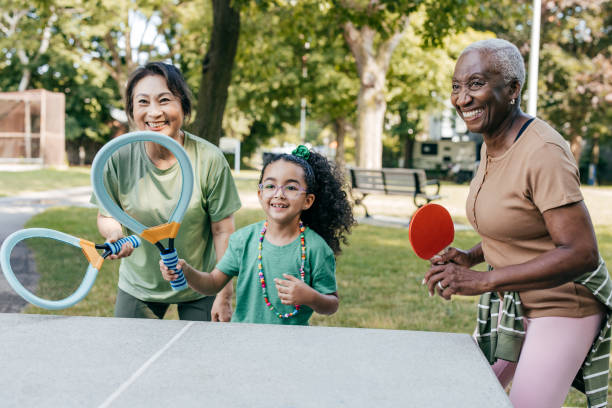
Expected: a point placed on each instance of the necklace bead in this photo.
(262, 278)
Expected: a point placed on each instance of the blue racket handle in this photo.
(170, 259)
(115, 247)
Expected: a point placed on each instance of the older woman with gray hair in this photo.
(544, 309)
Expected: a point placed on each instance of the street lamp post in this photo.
(534, 57)
(303, 100)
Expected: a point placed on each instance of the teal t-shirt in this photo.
(240, 260)
(149, 195)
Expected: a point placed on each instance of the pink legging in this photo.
(552, 353)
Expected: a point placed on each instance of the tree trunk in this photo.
(576, 145)
(217, 71)
(595, 152)
(371, 107)
(25, 79)
(594, 160)
(45, 40)
(408, 147)
(340, 128)
(372, 65)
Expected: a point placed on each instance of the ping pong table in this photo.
(68, 361)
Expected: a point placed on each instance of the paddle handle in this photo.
(170, 259)
(115, 247)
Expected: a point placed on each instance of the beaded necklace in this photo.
(261, 274)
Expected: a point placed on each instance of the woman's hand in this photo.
(221, 310)
(170, 274)
(454, 279)
(126, 249)
(111, 230)
(292, 291)
(454, 255)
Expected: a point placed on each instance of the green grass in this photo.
(374, 294)
(246, 185)
(12, 183)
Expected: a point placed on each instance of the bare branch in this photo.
(13, 20)
(46, 37)
(139, 46)
(25, 79)
(23, 57)
(108, 39)
(4, 29)
(383, 56)
(352, 36)
(128, 45)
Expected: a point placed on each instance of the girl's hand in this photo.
(126, 249)
(454, 255)
(453, 279)
(169, 274)
(292, 291)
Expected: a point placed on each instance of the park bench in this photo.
(412, 182)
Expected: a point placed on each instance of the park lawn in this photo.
(373, 294)
(15, 182)
(246, 183)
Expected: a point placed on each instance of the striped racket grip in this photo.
(115, 247)
(170, 259)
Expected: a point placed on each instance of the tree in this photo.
(216, 70)
(574, 91)
(419, 81)
(288, 53)
(38, 54)
(373, 30)
(26, 34)
(266, 81)
(103, 32)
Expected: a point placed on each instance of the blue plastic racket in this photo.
(89, 250)
(152, 234)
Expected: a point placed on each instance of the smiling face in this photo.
(280, 208)
(155, 108)
(480, 96)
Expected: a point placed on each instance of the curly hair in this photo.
(331, 215)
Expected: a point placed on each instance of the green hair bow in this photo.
(301, 151)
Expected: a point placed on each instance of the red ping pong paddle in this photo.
(431, 230)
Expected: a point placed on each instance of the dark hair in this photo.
(174, 79)
(330, 215)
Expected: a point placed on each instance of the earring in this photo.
(513, 101)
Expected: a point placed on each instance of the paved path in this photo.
(14, 213)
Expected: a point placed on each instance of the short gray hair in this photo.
(504, 57)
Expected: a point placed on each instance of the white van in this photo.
(456, 158)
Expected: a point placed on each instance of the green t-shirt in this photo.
(149, 195)
(240, 260)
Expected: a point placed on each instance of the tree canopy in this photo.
(364, 69)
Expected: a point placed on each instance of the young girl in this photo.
(286, 264)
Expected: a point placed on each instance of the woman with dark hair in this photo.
(544, 312)
(158, 99)
(307, 217)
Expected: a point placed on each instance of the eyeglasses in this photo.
(291, 191)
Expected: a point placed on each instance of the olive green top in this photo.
(149, 195)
